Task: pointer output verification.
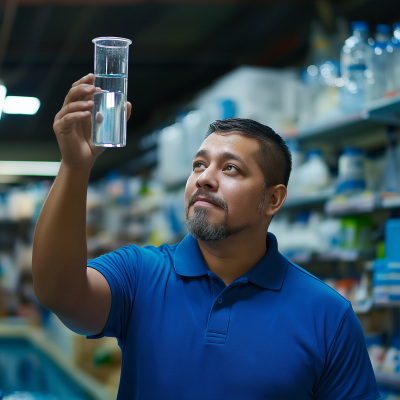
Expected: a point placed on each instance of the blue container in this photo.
(392, 239)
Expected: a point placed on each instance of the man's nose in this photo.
(207, 180)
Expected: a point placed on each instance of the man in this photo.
(221, 315)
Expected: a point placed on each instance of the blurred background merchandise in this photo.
(324, 74)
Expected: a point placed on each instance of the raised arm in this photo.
(80, 296)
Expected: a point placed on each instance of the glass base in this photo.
(108, 145)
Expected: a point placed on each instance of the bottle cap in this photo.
(383, 28)
(360, 26)
(228, 108)
(352, 151)
(293, 145)
(314, 152)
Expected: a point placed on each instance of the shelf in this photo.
(349, 255)
(388, 379)
(371, 304)
(365, 203)
(340, 125)
(390, 202)
(309, 201)
(386, 304)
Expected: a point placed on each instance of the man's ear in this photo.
(276, 196)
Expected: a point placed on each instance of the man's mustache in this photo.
(214, 199)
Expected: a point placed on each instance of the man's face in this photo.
(224, 191)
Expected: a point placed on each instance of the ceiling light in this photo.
(21, 105)
(29, 168)
(3, 91)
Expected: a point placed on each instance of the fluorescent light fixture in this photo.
(29, 168)
(3, 92)
(21, 105)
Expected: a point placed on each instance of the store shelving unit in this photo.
(340, 125)
(342, 128)
(352, 129)
(38, 339)
(388, 379)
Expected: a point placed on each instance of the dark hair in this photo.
(274, 156)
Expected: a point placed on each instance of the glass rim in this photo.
(125, 42)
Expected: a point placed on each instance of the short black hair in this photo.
(274, 158)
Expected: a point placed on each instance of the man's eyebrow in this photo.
(201, 153)
(224, 155)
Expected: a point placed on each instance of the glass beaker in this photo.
(111, 75)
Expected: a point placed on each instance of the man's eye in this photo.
(231, 168)
(197, 164)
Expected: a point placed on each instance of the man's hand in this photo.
(72, 125)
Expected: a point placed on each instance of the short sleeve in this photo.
(120, 268)
(348, 373)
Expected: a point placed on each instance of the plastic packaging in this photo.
(351, 174)
(392, 182)
(396, 55)
(376, 350)
(356, 233)
(314, 174)
(321, 76)
(174, 166)
(294, 188)
(353, 65)
(382, 63)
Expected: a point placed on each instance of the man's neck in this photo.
(232, 257)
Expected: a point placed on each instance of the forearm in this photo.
(59, 245)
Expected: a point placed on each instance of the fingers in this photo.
(68, 120)
(79, 92)
(129, 110)
(86, 105)
(88, 79)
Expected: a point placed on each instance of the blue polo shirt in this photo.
(276, 332)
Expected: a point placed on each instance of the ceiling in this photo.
(177, 49)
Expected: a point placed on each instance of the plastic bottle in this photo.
(376, 350)
(391, 172)
(354, 59)
(321, 75)
(297, 160)
(351, 174)
(391, 363)
(313, 175)
(382, 63)
(396, 54)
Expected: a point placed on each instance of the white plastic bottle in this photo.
(297, 160)
(313, 175)
(351, 173)
(353, 65)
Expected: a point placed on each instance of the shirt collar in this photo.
(268, 273)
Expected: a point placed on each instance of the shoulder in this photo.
(134, 256)
(312, 291)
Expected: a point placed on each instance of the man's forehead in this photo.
(230, 141)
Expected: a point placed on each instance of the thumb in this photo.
(129, 110)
